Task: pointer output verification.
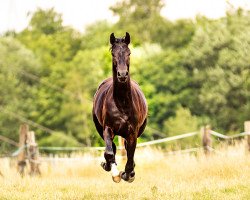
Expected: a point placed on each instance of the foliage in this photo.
(59, 139)
(16, 90)
(182, 122)
(190, 71)
(219, 65)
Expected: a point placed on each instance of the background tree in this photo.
(192, 73)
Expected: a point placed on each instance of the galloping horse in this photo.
(120, 108)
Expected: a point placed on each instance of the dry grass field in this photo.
(223, 175)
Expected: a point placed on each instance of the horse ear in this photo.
(112, 38)
(127, 38)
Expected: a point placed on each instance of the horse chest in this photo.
(120, 119)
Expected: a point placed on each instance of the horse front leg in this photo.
(129, 174)
(109, 155)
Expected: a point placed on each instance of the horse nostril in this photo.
(122, 74)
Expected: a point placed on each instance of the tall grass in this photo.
(225, 174)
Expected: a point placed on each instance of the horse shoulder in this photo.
(140, 102)
(137, 93)
(100, 96)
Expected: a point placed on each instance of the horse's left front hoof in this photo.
(129, 177)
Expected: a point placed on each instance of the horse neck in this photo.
(122, 91)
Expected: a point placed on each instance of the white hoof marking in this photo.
(114, 170)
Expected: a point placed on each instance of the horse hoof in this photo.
(105, 166)
(116, 179)
(131, 179)
(128, 177)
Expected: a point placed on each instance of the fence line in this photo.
(240, 134)
(120, 147)
(143, 144)
(167, 139)
(219, 135)
(230, 136)
(71, 148)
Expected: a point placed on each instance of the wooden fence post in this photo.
(121, 142)
(24, 129)
(247, 129)
(206, 139)
(33, 153)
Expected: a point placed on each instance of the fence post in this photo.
(247, 129)
(24, 128)
(33, 153)
(206, 139)
(121, 142)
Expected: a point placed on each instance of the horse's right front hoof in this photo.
(105, 166)
(128, 177)
(116, 179)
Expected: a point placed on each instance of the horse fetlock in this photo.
(114, 170)
(116, 176)
(129, 168)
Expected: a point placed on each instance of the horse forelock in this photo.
(119, 42)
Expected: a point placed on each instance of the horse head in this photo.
(120, 57)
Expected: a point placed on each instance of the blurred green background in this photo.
(193, 72)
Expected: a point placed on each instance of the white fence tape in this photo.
(219, 135)
(143, 144)
(120, 147)
(71, 148)
(229, 137)
(167, 139)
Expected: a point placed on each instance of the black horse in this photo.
(120, 108)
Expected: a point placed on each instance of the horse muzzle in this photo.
(122, 76)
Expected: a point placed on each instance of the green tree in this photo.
(96, 35)
(137, 16)
(218, 62)
(144, 21)
(49, 39)
(182, 122)
(16, 90)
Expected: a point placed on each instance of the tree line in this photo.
(193, 72)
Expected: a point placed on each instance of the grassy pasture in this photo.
(223, 175)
